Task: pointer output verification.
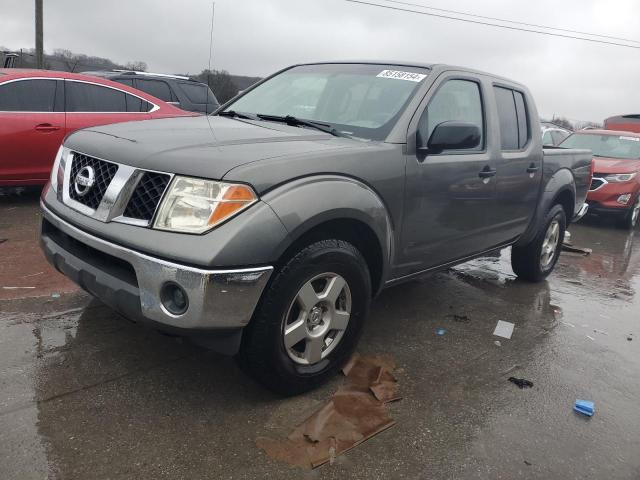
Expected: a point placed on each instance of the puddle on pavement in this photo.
(84, 396)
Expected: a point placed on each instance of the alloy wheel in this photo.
(550, 244)
(317, 318)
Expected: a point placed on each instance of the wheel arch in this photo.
(352, 212)
(559, 190)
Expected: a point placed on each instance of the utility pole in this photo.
(213, 13)
(39, 48)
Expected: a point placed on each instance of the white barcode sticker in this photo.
(398, 75)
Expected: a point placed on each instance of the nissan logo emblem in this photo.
(85, 179)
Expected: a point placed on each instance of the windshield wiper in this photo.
(234, 114)
(299, 122)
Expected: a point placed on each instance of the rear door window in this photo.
(523, 119)
(515, 130)
(28, 96)
(196, 93)
(126, 81)
(157, 88)
(136, 104)
(89, 97)
(508, 118)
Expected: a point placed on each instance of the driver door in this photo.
(448, 194)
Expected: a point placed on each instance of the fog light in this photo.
(174, 298)
(624, 199)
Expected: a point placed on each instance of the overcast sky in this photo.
(577, 79)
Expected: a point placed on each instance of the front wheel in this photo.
(630, 220)
(309, 321)
(535, 261)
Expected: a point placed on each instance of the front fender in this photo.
(308, 202)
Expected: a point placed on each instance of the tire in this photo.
(528, 262)
(288, 312)
(630, 219)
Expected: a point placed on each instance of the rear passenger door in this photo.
(519, 164)
(90, 104)
(32, 127)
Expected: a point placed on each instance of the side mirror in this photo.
(452, 136)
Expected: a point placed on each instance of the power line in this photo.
(507, 27)
(511, 21)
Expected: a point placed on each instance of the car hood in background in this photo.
(615, 165)
(203, 146)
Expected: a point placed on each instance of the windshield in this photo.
(355, 99)
(612, 146)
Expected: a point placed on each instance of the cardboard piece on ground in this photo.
(355, 413)
(572, 249)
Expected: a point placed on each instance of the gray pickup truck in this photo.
(266, 229)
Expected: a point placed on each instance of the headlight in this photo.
(57, 172)
(619, 177)
(193, 205)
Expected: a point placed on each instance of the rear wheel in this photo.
(536, 260)
(630, 220)
(310, 318)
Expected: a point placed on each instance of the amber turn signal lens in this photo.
(240, 193)
(235, 198)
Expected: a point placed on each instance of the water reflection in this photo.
(612, 266)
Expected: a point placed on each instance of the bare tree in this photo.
(137, 66)
(562, 122)
(70, 60)
(220, 83)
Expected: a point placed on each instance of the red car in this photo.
(39, 108)
(628, 123)
(615, 188)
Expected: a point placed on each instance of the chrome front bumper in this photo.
(218, 299)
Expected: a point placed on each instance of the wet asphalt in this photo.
(86, 394)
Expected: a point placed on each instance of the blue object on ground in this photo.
(440, 331)
(584, 407)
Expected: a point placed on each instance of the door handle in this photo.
(487, 172)
(47, 127)
(532, 168)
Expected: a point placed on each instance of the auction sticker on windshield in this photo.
(633, 139)
(398, 75)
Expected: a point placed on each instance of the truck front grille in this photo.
(147, 195)
(103, 173)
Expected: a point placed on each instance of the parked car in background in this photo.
(267, 229)
(628, 123)
(39, 108)
(183, 92)
(552, 134)
(615, 188)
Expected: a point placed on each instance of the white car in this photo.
(553, 135)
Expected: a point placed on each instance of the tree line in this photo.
(224, 85)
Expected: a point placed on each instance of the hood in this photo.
(202, 146)
(615, 165)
